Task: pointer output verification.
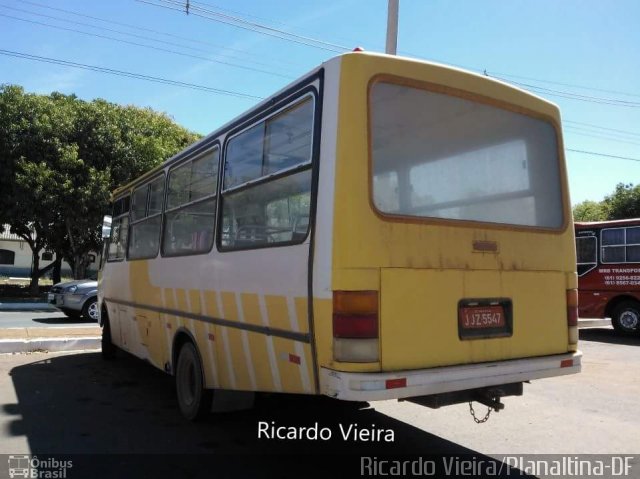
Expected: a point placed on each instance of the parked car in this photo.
(76, 298)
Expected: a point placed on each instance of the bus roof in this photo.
(609, 223)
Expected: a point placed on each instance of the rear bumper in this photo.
(422, 382)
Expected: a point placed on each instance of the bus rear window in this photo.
(442, 156)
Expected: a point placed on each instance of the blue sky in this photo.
(587, 49)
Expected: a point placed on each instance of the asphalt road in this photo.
(34, 319)
(75, 403)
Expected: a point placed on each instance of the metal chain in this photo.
(473, 414)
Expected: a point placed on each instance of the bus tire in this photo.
(626, 317)
(193, 398)
(108, 348)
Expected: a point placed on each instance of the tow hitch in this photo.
(491, 399)
(488, 396)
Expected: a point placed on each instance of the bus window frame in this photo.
(624, 245)
(210, 148)
(309, 90)
(485, 100)
(147, 185)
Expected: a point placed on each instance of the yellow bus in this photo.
(382, 228)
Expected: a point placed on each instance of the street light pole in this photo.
(392, 27)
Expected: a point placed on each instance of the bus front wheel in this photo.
(626, 317)
(193, 398)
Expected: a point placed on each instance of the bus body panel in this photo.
(246, 311)
(419, 326)
(145, 321)
(423, 268)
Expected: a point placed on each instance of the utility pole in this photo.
(392, 27)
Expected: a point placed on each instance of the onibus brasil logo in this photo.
(34, 468)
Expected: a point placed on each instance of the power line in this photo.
(591, 125)
(563, 94)
(563, 84)
(140, 28)
(127, 74)
(165, 50)
(574, 96)
(594, 153)
(177, 5)
(104, 28)
(220, 9)
(555, 92)
(599, 136)
(272, 21)
(120, 32)
(194, 5)
(255, 27)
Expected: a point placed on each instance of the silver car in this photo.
(76, 298)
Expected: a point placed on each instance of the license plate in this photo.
(484, 318)
(50, 297)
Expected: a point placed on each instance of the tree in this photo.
(623, 203)
(29, 126)
(61, 157)
(589, 211)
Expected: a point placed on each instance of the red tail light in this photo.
(356, 327)
(572, 307)
(355, 314)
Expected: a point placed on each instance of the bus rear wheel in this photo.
(193, 398)
(626, 317)
(108, 348)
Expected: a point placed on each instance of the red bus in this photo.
(608, 254)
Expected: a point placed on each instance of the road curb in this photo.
(593, 323)
(17, 307)
(8, 346)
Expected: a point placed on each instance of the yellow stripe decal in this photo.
(226, 345)
(208, 303)
(275, 373)
(245, 342)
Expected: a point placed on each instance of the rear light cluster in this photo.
(572, 315)
(355, 326)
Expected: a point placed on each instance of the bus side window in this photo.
(621, 245)
(613, 245)
(586, 250)
(118, 238)
(267, 180)
(146, 220)
(191, 205)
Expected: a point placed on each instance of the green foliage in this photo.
(623, 203)
(589, 211)
(61, 157)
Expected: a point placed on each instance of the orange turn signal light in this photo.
(355, 302)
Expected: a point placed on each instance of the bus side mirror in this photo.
(106, 227)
